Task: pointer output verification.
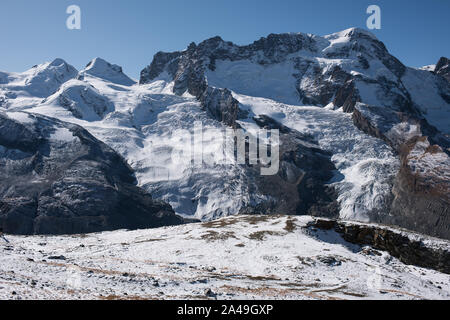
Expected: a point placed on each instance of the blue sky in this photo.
(130, 32)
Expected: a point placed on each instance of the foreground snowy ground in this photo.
(248, 257)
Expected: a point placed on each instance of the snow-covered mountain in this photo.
(303, 69)
(104, 70)
(56, 178)
(349, 71)
(38, 82)
(362, 136)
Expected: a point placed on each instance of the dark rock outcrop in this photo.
(325, 84)
(407, 248)
(56, 178)
(221, 105)
(187, 70)
(182, 65)
(422, 186)
(443, 68)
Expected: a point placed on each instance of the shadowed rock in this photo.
(56, 178)
(443, 68)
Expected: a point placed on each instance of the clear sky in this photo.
(130, 32)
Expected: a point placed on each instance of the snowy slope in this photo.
(148, 125)
(81, 99)
(104, 70)
(44, 79)
(424, 92)
(31, 86)
(248, 257)
(275, 82)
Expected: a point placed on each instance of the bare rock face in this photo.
(410, 250)
(56, 178)
(443, 68)
(182, 66)
(340, 69)
(187, 70)
(221, 105)
(316, 83)
(422, 186)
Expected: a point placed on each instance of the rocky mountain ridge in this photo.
(351, 70)
(329, 164)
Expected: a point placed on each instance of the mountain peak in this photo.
(44, 79)
(58, 62)
(355, 32)
(102, 69)
(443, 68)
(98, 63)
(352, 34)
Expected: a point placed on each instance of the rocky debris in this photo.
(443, 68)
(409, 249)
(330, 261)
(56, 178)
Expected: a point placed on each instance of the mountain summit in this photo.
(102, 69)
